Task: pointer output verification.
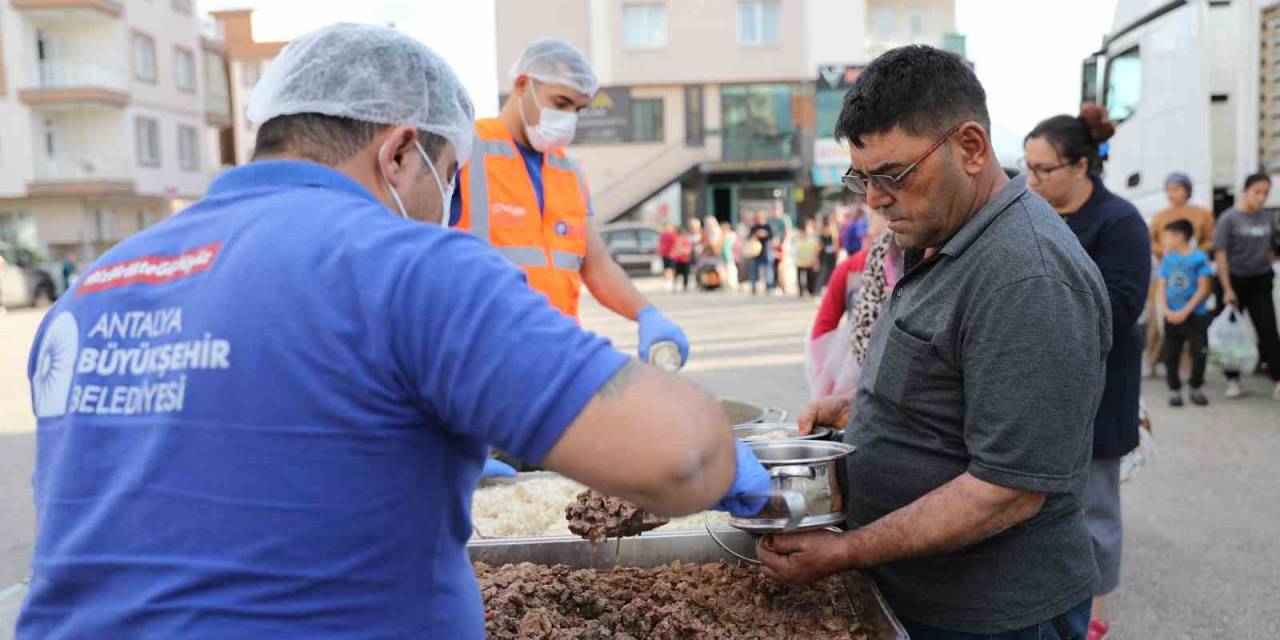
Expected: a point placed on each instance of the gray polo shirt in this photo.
(988, 359)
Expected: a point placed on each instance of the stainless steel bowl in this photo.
(804, 493)
(745, 431)
(741, 413)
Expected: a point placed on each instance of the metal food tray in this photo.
(656, 549)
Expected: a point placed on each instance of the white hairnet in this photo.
(367, 73)
(558, 62)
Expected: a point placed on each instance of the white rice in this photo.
(535, 507)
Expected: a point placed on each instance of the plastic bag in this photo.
(829, 363)
(1231, 345)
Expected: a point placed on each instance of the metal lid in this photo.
(790, 452)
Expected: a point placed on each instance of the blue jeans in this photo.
(764, 264)
(1072, 625)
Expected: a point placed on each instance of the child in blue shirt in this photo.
(1185, 276)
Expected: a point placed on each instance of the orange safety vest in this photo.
(549, 245)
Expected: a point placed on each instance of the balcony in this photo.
(81, 176)
(77, 83)
(69, 10)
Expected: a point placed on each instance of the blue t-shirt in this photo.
(1181, 274)
(264, 418)
(532, 163)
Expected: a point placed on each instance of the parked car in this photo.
(634, 246)
(27, 282)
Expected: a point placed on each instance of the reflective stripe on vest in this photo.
(566, 260)
(525, 256)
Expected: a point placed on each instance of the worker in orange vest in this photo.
(524, 195)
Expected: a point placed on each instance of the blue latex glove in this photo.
(655, 328)
(494, 468)
(750, 478)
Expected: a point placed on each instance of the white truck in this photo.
(1195, 87)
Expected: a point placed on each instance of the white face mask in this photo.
(555, 128)
(446, 195)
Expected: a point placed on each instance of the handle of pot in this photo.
(706, 523)
(782, 414)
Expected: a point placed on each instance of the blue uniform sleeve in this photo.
(488, 357)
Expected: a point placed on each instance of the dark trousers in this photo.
(807, 279)
(1254, 294)
(827, 266)
(1072, 625)
(682, 271)
(1194, 333)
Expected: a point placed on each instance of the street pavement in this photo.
(1202, 548)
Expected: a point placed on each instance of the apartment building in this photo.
(716, 107)
(246, 59)
(111, 115)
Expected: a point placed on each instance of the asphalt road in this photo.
(1202, 555)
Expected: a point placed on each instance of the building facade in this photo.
(111, 117)
(718, 107)
(247, 58)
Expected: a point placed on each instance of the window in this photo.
(144, 58)
(758, 22)
(646, 120)
(885, 29)
(181, 6)
(185, 69)
(644, 26)
(829, 102)
(1124, 85)
(915, 22)
(148, 133)
(252, 70)
(757, 121)
(623, 241)
(188, 148)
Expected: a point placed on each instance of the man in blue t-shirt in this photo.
(1185, 281)
(265, 416)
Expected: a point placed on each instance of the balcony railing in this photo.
(75, 74)
(759, 146)
(73, 168)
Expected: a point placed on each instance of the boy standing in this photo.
(1185, 281)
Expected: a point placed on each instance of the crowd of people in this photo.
(766, 252)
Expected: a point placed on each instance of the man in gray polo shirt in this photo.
(972, 420)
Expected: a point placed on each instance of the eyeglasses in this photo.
(1041, 173)
(858, 183)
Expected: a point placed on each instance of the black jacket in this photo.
(1116, 237)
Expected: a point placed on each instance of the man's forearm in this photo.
(609, 284)
(956, 515)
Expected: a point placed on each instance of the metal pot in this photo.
(804, 493)
(746, 431)
(741, 413)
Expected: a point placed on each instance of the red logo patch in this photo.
(149, 269)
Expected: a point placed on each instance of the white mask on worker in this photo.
(446, 194)
(555, 128)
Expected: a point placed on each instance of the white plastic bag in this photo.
(829, 363)
(1231, 345)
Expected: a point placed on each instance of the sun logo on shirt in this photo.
(55, 366)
